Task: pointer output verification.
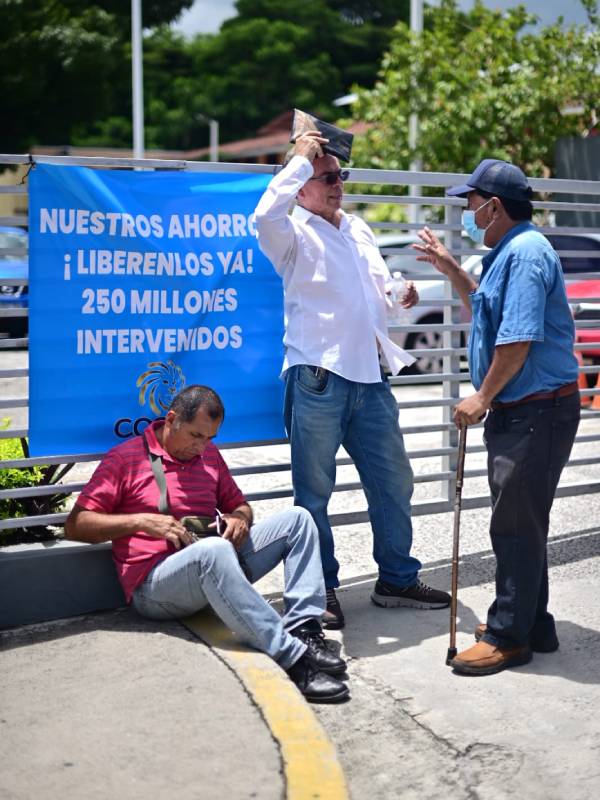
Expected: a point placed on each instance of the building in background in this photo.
(578, 158)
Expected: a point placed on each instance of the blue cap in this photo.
(496, 177)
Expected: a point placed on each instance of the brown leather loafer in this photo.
(550, 646)
(486, 659)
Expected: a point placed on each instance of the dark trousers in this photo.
(528, 445)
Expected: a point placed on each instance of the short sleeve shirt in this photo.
(522, 298)
(123, 483)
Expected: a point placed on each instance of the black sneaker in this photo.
(317, 687)
(333, 618)
(387, 595)
(317, 651)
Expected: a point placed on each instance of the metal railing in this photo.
(451, 349)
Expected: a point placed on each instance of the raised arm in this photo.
(434, 252)
(276, 232)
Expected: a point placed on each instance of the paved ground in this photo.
(113, 706)
(416, 730)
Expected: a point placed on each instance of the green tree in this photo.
(62, 63)
(173, 98)
(73, 84)
(485, 83)
(277, 54)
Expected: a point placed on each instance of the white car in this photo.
(431, 288)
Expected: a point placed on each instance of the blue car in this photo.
(13, 265)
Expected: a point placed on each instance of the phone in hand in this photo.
(220, 521)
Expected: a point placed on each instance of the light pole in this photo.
(416, 27)
(213, 125)
(137, 79)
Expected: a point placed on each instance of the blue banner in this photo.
(142, 283)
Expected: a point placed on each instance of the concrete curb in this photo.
(54, 580)
(310, 764)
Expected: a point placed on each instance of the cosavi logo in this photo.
(157, 386)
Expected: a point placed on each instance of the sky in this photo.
(206, 16)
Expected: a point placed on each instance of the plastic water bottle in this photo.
(396, 314)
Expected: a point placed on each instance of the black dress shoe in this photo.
(317, 651)
(317, 687)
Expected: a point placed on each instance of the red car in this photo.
(585, 311)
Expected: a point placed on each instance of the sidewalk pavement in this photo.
(111, 705)
(114, 706)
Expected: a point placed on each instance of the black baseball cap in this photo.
(498, 178)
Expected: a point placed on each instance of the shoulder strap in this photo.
(159, 477)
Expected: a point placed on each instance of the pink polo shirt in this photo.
(123, 483)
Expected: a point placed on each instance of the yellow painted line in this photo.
(311, 767)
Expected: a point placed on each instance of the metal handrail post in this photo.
(451, 385)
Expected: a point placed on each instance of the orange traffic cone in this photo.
(582, 382)
(596, 398)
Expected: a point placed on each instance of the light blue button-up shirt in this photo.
(521, 298)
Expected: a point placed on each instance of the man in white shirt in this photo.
(336, 391)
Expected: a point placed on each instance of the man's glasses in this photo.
(332, 177)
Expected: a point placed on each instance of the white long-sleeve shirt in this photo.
(334, 283)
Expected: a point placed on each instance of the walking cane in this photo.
(460, 468)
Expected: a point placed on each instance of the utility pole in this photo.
(416, 27)
(213, 126)
(214, 139)
(137, 79)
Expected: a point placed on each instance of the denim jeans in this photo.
(323, 411)
(528, 446)
(208, 573)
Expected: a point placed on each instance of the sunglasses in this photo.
(332, 177)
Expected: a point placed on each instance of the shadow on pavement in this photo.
(477, 568)
(372, 631)
(578, 658)
(123, 620)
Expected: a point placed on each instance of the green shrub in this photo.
(16, 478)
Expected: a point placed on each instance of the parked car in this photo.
(13, 264)
(432, 289)
(588, 312)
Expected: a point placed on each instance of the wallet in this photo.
(340, 141)
(198, 526)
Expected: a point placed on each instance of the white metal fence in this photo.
(451, 330)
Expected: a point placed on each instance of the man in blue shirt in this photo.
(525, 375)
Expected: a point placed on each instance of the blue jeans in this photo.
(208, 573)
(323, 411)
(528, 446)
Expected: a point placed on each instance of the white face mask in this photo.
(470, 226)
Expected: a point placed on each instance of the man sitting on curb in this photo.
(166, 574)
